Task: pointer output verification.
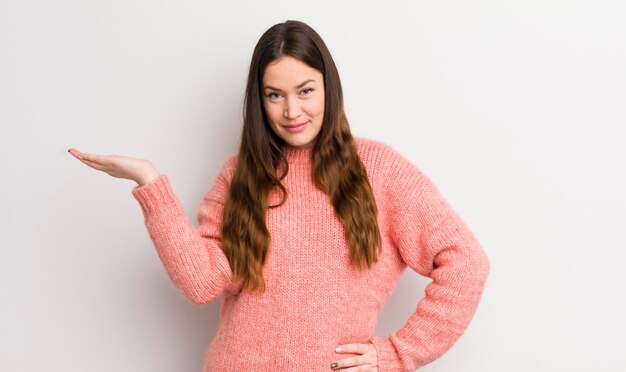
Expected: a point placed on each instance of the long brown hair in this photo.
(337, 169)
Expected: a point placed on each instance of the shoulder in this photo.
(374, 154)
(378, 151)
(227, 170)
(225, 174)
(382, 159)
(231, 161)
(367, 147)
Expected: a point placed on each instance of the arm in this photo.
(193, 258)
(435, 242)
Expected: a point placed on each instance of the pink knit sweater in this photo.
(315, 300)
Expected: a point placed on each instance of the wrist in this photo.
(147, 177)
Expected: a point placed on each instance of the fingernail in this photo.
(334, 365)
(68, 150)
(338, 349)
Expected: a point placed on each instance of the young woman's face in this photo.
(293, 97)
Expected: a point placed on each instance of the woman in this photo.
(307, 229)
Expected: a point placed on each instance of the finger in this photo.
(94, 165)
(93, 158)
(361, 368)
(99, 159)
(367, 357)
(353, 348)
(80, 155)
(77, 154)
(351, 362)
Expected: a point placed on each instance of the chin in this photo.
(299, 145)
(297, 142)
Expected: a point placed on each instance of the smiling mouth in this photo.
(296, 128)
(294, 125)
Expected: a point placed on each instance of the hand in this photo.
(139, 170)
(367, 361)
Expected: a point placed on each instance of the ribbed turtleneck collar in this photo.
(294, 155)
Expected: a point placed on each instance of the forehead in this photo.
(287, 72)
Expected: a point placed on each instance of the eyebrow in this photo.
(299, 86)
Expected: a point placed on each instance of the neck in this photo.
(298, 155)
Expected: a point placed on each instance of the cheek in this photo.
(317, 107)
(272, 112)
(322, 100)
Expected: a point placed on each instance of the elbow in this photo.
(486, 264)
(201, 299)
(199, 296)
(481, 266)
(204, 287)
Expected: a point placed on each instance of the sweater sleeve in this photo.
(434, 241)
(192, 257)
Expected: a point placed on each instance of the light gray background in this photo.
(515, 110)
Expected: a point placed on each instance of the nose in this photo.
(292, 108)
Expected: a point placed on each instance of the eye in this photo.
(273, 95)
(307, 91)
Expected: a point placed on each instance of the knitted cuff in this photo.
(388, 359)
(157, 196)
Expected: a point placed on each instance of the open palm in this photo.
(141, 171)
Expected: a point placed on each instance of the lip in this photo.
(294, 125)
(295, 128)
